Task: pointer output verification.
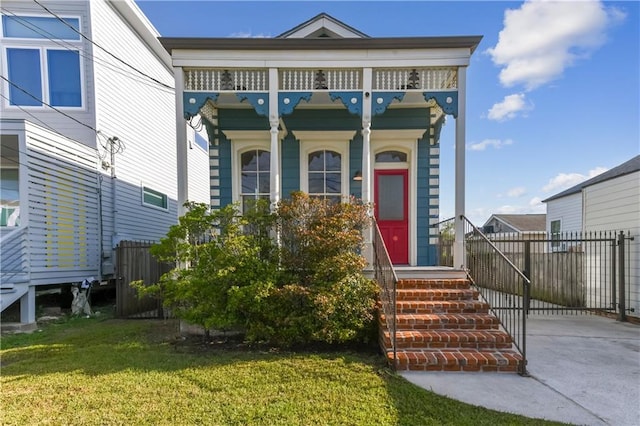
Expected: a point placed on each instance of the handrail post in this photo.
(622, 309)
(522, 369)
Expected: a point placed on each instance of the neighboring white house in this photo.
(88, 146)
(607, 202)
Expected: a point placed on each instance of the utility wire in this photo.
(44, 103)
(74, 48)
(102, 48)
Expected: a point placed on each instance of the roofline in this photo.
(402, 43)
(319, 16)
(501, 219)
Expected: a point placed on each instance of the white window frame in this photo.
(153, 206)
(312, 141)
(44, 45)
(243, 141)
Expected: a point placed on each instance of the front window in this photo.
(255, 168)
(49, 73)
(325, 175)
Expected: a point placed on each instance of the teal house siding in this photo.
(422, 204)
(290, 150)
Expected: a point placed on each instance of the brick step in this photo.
(449, 339)
(436, 294)
(456, 360)
(444, 321)
(442, 307)
(417, 283)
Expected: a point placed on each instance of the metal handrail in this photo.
(509, 323)
(384, 272)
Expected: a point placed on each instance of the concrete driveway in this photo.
(584, 369)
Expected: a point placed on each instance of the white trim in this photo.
(242, 141)
(405, 141)
(337, 141)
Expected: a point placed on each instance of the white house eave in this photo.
(141, 24)
(325, 59)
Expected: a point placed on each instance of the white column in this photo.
(274, 121)
(367, 178)
(459, 258)
(181, 143)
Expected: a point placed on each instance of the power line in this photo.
(44, 103)
(74, 48)
(102, 48)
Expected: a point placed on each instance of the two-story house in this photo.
(88, 147)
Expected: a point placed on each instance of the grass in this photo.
(92, 371)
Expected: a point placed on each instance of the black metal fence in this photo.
(386, 278)
(570, 273)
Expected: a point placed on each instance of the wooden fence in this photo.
(135, 262)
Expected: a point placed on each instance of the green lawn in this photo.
(92, 371)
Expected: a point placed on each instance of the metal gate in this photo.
(570, 273)
(135, 262)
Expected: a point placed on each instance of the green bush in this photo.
(232, 274)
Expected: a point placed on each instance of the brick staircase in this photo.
(441, 325)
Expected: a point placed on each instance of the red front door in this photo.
(392, 212)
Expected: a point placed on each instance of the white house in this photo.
(88, 142)
(607, 202)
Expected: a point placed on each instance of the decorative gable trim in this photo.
(323, 26)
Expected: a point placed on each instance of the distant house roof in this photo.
(522, 222)
(630, 166)
(323, 25)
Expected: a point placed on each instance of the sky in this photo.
(553, 89)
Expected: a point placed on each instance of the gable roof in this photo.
(323, 26)
(522, 222)
(625, 168)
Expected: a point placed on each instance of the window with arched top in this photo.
(391, 157)
(255, 180)
(325, 175)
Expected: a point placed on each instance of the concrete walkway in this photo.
(584, 370)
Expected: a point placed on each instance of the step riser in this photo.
(436, 295)
(450, 345)
(432, 284)
(455, 361)
(443, 307)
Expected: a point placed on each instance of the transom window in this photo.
(391, 157)
(255, 166)
(325, 175)
(47, 73)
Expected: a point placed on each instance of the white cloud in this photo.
(509, 108)
(542, 38)
(495, 143)
(517, 192)
(566, 180)
(242, 34)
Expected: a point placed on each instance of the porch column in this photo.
(181, 143)
(459, 258)
(274, 121)
(28, 306)
(366, 136)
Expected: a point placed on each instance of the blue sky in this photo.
(553, 88)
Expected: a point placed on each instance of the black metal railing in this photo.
(446, 238)
(502, 284)
(386, 278)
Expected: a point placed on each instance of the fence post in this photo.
(622, 309)
(527, 272)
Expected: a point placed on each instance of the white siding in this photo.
(63, 215)
(568, 210)
(141, 114)
(615, 205)
(46, 116)
(198, 170)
